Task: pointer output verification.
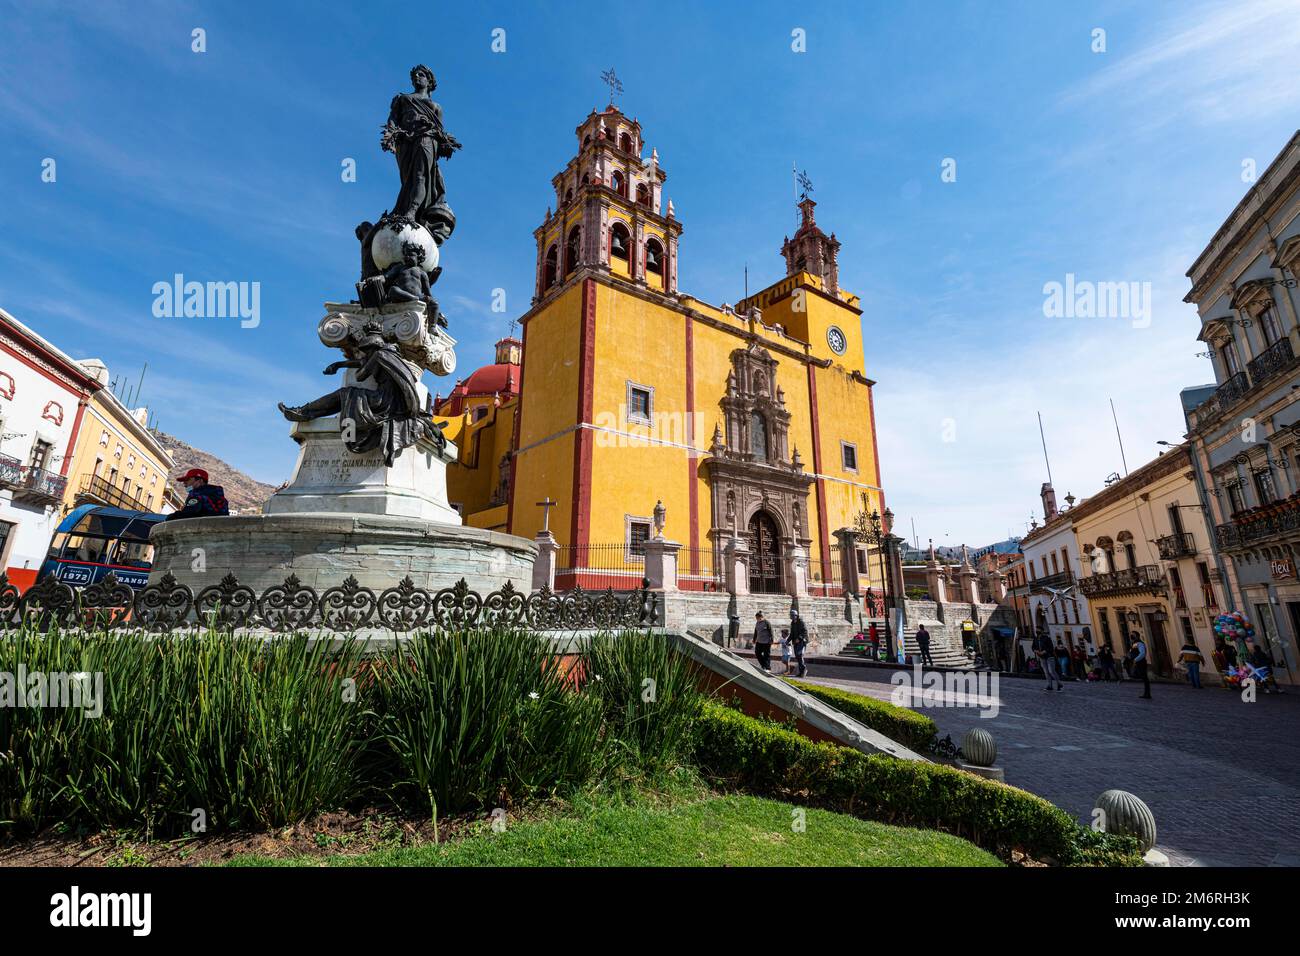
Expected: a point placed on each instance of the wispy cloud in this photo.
(1205, 64)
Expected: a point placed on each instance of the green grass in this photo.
(716, 831)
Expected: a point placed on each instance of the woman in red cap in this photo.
(204, 500)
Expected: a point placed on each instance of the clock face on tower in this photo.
(836, 340)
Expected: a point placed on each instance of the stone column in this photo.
(544, 566)
(661, 564)
(969, 585)
(736, 557)
(848, 544)
(935, 582)
(894, 568)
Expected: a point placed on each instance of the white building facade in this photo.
(43, 399)
(1052, 570)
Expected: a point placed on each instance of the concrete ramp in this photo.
(762, 693)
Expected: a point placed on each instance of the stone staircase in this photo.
(705, 613)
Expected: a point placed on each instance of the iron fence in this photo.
(700, 569)
(292, 606)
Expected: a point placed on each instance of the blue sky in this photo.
(225, 165)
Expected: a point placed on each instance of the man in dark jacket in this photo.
(798, 640)
(762, 641)
(923, 644)
(203, 500)
(1046, 653)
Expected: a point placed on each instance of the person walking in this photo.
(785, 648)
(1191, 658)
(798, 641)
(923, 643)
(1106, 658)
(1062, 659)
(763, 641)
(1138, 651)
(202, 500)
(1046, 654)
(1262, 663)
(1080, 661)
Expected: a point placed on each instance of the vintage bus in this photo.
(96, 539)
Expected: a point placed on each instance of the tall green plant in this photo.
(649, 693)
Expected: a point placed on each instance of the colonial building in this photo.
(117, 460)
(1146, 563)
(43, 399)
(754, 421)
(1052, 600)
(1244, 432)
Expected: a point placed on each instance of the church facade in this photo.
(755, 420)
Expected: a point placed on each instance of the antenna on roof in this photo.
(1119, 436)
(1044, 440)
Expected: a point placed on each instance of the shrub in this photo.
(765, 759)
(472, 718)
(248, 731)
(909, 728)
(649, 692)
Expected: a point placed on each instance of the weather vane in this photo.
(805, 185)
(610, 79)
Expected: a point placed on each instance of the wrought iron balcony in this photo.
(1060, 579)
(99, 489)
(11, 472)
(1259, 524)
(1227, 393)
(1271, 361)
(1146, 577)
(1177, 545)
(39, 486)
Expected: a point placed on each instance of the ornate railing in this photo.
(37, 484)
(1146, 577)
(1176, 545)
(1258, 524)
(1272, 360)
(11, 472)
(1227, 393)
(1059, 579)
(101, 489)
(293, 606)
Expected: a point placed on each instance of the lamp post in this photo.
(871, 529)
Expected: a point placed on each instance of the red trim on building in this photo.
(817, 466)
(85, 384)
(692, 463)
(514, 437)
(875, 448)
(72, 441)
(582, 439)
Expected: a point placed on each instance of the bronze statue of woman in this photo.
(415, 134)
(388, 417)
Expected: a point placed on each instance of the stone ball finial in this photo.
(1124, 813)
(979, 747)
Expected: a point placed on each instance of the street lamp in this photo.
(870, 528)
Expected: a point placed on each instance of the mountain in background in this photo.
(246, 495)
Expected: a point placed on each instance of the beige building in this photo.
(117, 461)
(1146, 562)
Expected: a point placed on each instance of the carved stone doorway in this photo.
(765, 561)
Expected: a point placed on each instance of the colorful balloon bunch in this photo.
(1234, 626)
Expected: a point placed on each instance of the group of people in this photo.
(1056, 661)
(794, 641)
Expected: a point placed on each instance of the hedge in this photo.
(909, 728)
(760, 757)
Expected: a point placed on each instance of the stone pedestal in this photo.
(797, 571)
(661, 564)
(847, 540)
(331, 479)
(736, 555)
(544, 566)
(322, 550)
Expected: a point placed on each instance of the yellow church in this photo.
(624, 397)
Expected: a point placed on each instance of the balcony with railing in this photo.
(11, 472)
(1249, 527)
(1060, 579)
(1176, 545)
(1270, 362)
(1146, 577)
(1227, 393)
(98, 489)
(38, 486)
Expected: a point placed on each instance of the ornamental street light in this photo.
(872, 530)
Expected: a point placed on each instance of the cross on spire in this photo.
(610, 79)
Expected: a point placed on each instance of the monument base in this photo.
(331, 479)
(323, 550)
